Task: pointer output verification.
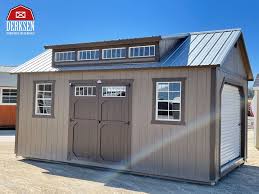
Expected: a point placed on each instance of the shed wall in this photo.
(232, 72)
(181, 151)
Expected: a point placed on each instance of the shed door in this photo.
(100, 122)
(230, 124)
(84, 120)
(114, 122)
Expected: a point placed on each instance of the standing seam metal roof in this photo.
(198, 49)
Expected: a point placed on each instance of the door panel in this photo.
(84, 120)
(114, 126)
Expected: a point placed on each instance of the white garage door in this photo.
(230, 124)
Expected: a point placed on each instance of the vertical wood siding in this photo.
(181, 151)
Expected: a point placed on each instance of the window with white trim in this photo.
(142, 51)
(65, 56)
(168, 101)
(88, 55)
(43, 98)
(85, 91)
(114, 91)
(114, 53)
(8, 96)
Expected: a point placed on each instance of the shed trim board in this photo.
(161, 122)
(52, 115)
(228, 81)
(17, 116)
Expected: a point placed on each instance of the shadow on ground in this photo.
(243, 180)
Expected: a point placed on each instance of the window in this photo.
(44, 98)
(142, 51)
(88, 55)
(85, 91)
(114, 91)
(114, 53)
(168, 100)
(8, 96)
(65, 56)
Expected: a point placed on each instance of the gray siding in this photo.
(181, 151)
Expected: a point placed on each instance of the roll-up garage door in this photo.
(230, 124)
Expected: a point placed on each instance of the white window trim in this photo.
(180, 111)
(1, 95)
(95, 59)
(36, 99)
(114, 96)
(139, 51)
(87, 90)
(63, 60)
(111, 53)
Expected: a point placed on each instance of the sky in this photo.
(61, 21)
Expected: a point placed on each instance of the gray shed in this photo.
(172, 107)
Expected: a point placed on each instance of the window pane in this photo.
(114, 91)
(136, 51)
(131, 52)
(41, 87)
(47, 87)
(162, 115)
(175, 115)
(114, 53)
(152, 51)
(175, 96)
(162, 105)
(108, 54)
(162, 95)
(174, 86)
(146, 51)
(141, 51)
(162, 87)
(123, 52)
(174, 106)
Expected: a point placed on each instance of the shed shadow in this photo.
(238, 180)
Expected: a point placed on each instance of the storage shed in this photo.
(8, 96)
(172, 107)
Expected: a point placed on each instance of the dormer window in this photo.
(65, 56)
(114, 53)
(88, 55)
(142, 51)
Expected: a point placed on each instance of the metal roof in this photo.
(6, 68)
(198, 49)
(256, 83)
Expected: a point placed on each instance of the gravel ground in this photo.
(23, 176)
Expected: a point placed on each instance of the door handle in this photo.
(71, 120)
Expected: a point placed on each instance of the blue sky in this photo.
(60, 21)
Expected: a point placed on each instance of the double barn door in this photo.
(100, 121)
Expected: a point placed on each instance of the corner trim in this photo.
(17, 115)
(213, 147)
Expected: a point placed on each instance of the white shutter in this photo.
(230, 124)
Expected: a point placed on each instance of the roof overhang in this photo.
(106, 43)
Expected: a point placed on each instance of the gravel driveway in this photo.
(23, 176)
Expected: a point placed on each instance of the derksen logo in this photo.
(20, 21)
